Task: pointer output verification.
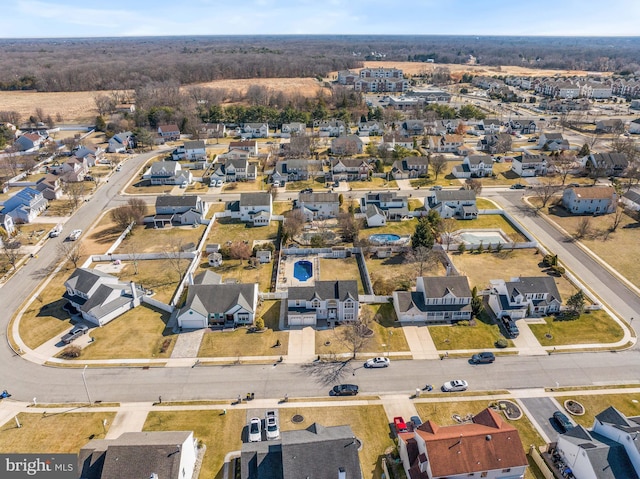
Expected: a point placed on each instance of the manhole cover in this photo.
(297, 419)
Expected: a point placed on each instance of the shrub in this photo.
(71, 352)
(463, 323)
(501, 343)
(260, 323)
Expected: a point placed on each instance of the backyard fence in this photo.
(158, 304)
(373, 299)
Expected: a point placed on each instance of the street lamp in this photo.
(84, 380)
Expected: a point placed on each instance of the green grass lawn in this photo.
(340, 268)
(596, 403)
(407, 227)
(227, 229)
(397, 272)
(485, 204)
(152, 240)
(493, 222)
(219, 433)
(590, 327)
(56, 431)
(481, 336)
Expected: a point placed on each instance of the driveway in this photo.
(541, 411)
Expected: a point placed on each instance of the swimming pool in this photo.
(303, 270)
(384, 238)
(484, 237)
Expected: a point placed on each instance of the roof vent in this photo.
(488, 437)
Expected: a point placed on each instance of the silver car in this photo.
(377, 363)
(255, 430)
(456, 385)
(271, 425)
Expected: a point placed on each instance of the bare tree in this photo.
(356, 334)
(546, 190)
(422, 259)
(584, 227)
(138, 209)
(473, 185)
(438, 164)
(72, 251)
(12, 252)
(349, 226)
(173, 254)
(240, 250)
(75, 192)
(122, 216)
(563, 164)
(293, 223)
(133, 247)
(616, 218)
(449, 228)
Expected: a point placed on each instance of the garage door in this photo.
(192, 324)
(302, 320)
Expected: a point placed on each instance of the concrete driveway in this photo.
(540, 410)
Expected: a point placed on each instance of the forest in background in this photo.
(82, 64)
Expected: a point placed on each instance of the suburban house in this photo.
(595, 200)
(7, 223)
(608, 451)
(30, 142)
(491, 125)
(292, 129)
(474, 166)
(296, 170)
(631, 200)
(552, 142)
(332, 128)
(495, 143)
(213, 303)
(316, 452)
(120, 142)
(347, 77)
(413, 127)
(149, 454)
(100, 297)
(374, 216)
(318, 206)
(182, 210)
(168, 173)
(606, 164)
(73, 170)
(50, 186)
(487, 446)
(231, 170)
(446, 143)
(255, 130)
(255, 208)
(392, 206)
(331, 301)
(25, 205)
(610, 125)
(250, 146)
(458, 203)
(212, 130)
(194, 150)
(410, 167)
(436, 300)
(527, 165)
(346, 145)
(634, 126)
(370, 128)
(169, 132)
(396, 138)
(524, 297)
(91, 155)
(349, 169)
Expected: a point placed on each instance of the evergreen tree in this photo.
(423, 235)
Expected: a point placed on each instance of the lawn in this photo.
(54, 432)
(159, 240)
(503, 176)
(242, 272)
(138, 333)
(603, 243)
(493, 222)
(415, 204)
(407, 227)
(445, 178)
(369, 424)
(31, 233)
(281, 207)
(99, 171)
(100, 238)
(397, 272)
(44, 318)
(485, 204)
(197, 188)
(481, 336)
(340, 268)
(142, 187)
(158, 275)
(596, 403)
(244, 186)
(227, 229)
(590, 327)
(59, 207)
(314, 183)
(220, 433)
(481, 268)
(214, 208)
(375, 183)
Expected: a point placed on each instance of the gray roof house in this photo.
(184, 210)
(318, 205)
(25, 205)
(212, 303)
(332, 301)
(524, 297)
(450, 203)
(255, 208)
(157, 454)
(120, 142)
(168, 173)
(527, 165)
(607, 164)
(234, 169)
(631, 199)
(317, 452)
(474, 166)
(410, 167)
(349, 169)
(391, 205)
(100, 297)
(436, 300)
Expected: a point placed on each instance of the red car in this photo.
(400, 425)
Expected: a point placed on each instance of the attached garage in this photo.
(190, 319)
(301, 319)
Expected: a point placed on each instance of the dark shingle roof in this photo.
(340, 290)
(254, 199)
(83, 279)
(455, 195)
(184, 200)
(440, 286)
(194, 144)
(532, 285)
(319, 197)
(219, 298)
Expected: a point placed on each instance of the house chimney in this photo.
(342, 474)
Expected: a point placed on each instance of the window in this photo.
(507, 470)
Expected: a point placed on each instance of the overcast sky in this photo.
(84, 18)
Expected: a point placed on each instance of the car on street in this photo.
(74, 235)
(517, 186)
(416, 421)
(574, 185)
(345, 390)
(457, 385)
(400, 425)
(485, 357)
(271, 425)
(377, 363)
(436, 188)
(563, 422)
(255, 428)
(77, 331)
(55, 232)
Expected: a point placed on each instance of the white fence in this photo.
(158, 304)
(142, 256)
(373, 299)
(120, 239)
(276, 295)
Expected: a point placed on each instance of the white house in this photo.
(183, 210)
(450, 203)
(255, 130)
(334, 301)
(194, 150)
(524, 297)
(120, 142)
(527, 165)
(631, 200)
(634, 127)
(596, 200)
(410, 167)
(474, 166)
(255, 208)
(234, 169)
(349, 169)
(332, 128)
(318, 205)
(168, 173)
(388, 202)
(375, 216)
(250, 146)
(213, 303)
(446, 143)
(436, 300)
(25, 206)
(292, 129)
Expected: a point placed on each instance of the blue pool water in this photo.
(302, 270)
(384, 238)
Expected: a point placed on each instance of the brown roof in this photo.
(240, 144)
(454, 138)
(168, 128)
(594, 192)
(488, 443)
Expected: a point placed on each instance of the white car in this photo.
(456, 385)
(377, 363)
(271, 425)
(75, 234)
(255, 430)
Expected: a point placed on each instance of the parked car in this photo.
(271, 425)
(416, 421)
(511, 327)
(75, 234)
(400, 425)
(345, 390)
(77, 331)
(377, 363)
(517, 186)
(307, 190)
(574, 185)
(436, 188)
(483, 358)
(562, 421)
(255, 429)
(55, 232)
(456, 385)
(118, 168)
